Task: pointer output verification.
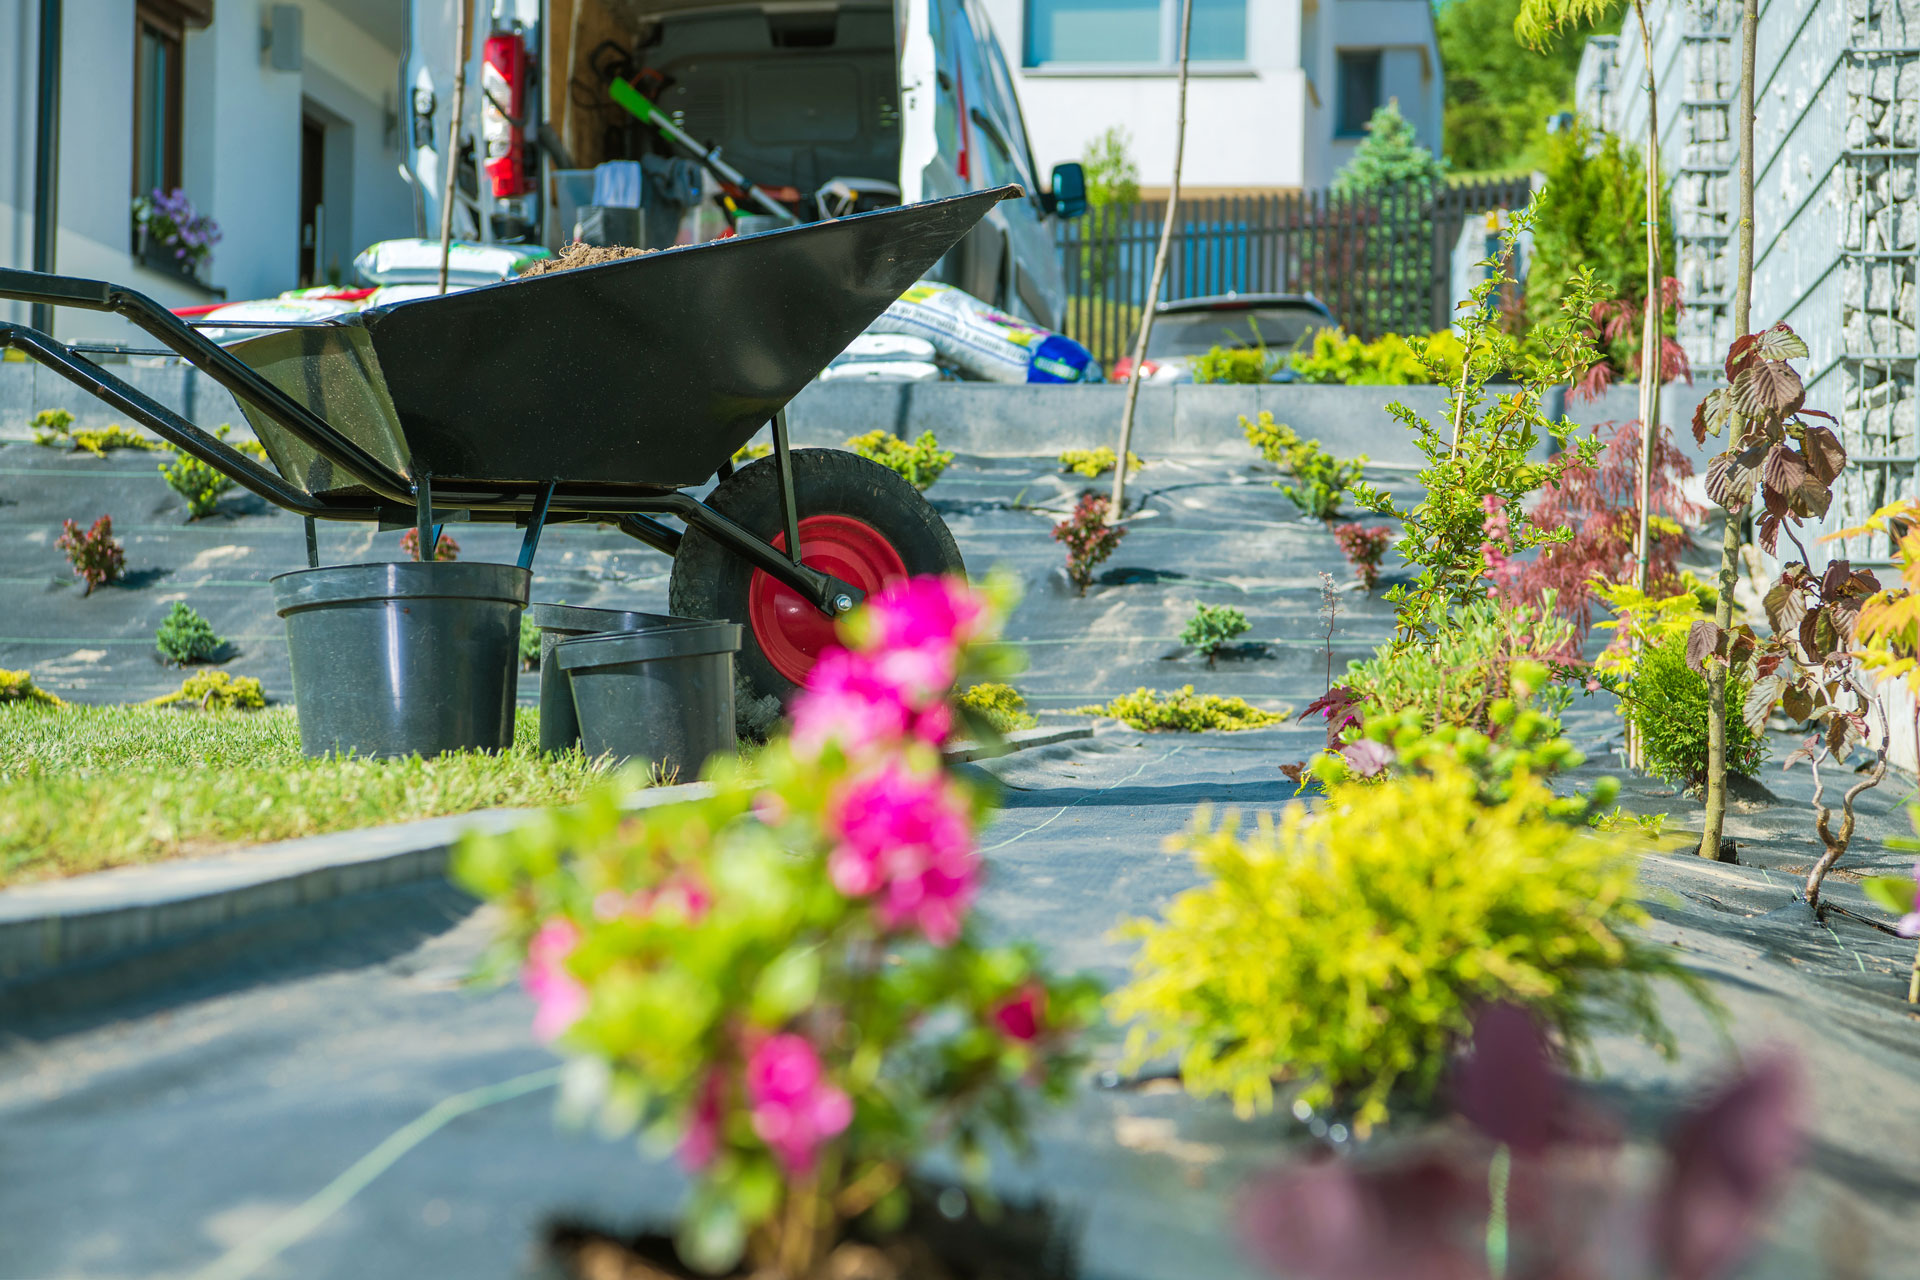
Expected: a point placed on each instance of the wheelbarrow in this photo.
(598, 394)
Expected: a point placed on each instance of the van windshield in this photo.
(1194, 333)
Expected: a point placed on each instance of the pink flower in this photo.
(1367, 757)
(908, 839)
(1024, 1014)
(924, 612)
(701, 1142)
(860, 703)
(794, 1110)
(558, 998)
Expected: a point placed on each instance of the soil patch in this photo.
(577, 254)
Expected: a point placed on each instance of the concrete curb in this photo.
(95, 919)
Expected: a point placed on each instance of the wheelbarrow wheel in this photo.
(858, 521)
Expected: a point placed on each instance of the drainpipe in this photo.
(46, 155)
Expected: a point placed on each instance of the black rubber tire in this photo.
(710, 581)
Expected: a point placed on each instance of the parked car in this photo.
(915, 95)
(1187, 329)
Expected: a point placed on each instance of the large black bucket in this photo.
(663, 695)
(399, 658)
(559, 727)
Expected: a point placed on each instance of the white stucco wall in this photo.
(240, 144)
(1246, 122)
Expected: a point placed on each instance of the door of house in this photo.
(313, 204)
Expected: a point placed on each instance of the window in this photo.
(156, 100)
(1132, 32)
(1358, 92)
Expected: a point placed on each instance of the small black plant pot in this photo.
(945, 1237)
(399, 658)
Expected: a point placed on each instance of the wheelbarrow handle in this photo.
(170, 426)
(216, 362)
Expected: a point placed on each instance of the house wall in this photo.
(1262, 125)
(240, 146)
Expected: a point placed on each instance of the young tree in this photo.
(1539, 21)
(1716, 815)
(1113, 179)
(1390, 160)
(1119, 507)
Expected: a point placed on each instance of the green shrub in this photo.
(1246, 366)
(1322, 479)
(1212, 626)
(1593, 214)
(1000, 705)
(919, 463)
(1093, 463)
(51, 427)
(185, 637)
(1184, 711)
(1348, 948)
(214, 691)
(1466, 668)
(201, 485)
(18, 687)
(1666, 704)
(1388, 361)
(529, 643)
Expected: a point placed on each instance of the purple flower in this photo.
(1367, 757)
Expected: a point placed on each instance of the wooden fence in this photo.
(1382, 265)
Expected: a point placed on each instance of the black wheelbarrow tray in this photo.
(593, 394)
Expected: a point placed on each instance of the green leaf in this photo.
(788, 986)
(1895, 893)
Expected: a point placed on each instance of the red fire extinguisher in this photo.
(502, 108)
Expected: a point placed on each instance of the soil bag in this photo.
(418, 262)
(984, 343)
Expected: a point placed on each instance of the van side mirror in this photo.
(1068, 198)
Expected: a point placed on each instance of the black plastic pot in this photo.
(400, 658)
(559, 728)
(663, 695)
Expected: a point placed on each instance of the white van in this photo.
(913, 93)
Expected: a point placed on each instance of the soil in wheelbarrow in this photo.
(577, 254)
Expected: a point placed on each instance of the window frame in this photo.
(1341, 58)
(167, 27)
(1168, 60)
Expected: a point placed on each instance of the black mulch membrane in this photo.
(149, 1138)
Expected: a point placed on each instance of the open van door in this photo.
(962, 130)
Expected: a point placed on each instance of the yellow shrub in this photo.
(1347, 949)
(215, 691)
(1001, 705)
(18, 686)
(1184, 711)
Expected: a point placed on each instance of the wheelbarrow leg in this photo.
(783, 462)
(530, 543)
(313, 544)
(425, 530)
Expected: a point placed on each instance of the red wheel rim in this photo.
(789, 629)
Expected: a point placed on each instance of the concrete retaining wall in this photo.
(973, 418)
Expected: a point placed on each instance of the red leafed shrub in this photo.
(1364, 546)
(1622, 326)
(96, 555)
(1600, 504)
(1089, 538)
(445, 549)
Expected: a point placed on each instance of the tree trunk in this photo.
(1651, 334)
(1159, 274)
(1716, 815)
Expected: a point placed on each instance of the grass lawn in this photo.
(83, 788)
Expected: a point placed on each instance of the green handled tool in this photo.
(636, 102)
